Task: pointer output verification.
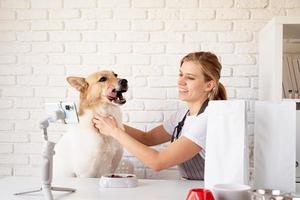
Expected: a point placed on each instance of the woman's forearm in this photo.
(144, 153)
(136, 134)
(153, 137)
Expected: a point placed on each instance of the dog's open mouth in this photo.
(116, 96)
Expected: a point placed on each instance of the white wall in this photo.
(43, 41)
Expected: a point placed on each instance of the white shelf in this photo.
(271, 55)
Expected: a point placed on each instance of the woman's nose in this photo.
(181, 81)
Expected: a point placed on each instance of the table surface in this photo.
(88, 189)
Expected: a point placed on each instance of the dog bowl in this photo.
(118, 181)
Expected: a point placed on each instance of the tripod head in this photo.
(62, 111)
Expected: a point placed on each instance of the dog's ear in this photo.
(78, 83)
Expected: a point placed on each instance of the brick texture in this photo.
(44, 41)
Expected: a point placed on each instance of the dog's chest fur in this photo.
(83, 152)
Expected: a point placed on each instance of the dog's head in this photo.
(99, 87)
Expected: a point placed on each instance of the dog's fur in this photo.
(82, 151)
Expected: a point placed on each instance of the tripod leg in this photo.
(31, 191)
(47, 192)
(63, 189)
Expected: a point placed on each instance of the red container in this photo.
(200, 194)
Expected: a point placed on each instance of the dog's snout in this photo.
(123, 82)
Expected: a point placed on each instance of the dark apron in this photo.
(192, 169)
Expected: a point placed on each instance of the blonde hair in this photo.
(211, 69)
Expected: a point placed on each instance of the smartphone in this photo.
(69, 109)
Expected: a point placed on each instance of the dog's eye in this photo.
(116, 75)
(102, 79)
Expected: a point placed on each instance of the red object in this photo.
(200, 194)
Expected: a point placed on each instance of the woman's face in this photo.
(191, 84)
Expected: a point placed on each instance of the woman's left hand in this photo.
(105, 125)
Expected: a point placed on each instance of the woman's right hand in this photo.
(106, 125)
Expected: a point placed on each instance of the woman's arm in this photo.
(156, 136)
(177, 152)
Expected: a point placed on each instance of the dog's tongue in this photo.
(111, 92)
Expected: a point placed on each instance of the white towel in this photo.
(275, 145)
(227, 157)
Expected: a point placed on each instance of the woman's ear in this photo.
(210, 85)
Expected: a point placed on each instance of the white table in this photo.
(88, 189)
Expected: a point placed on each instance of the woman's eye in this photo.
(180, 75)
(102, 79)
(191, 78)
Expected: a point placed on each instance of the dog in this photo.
(82, 151)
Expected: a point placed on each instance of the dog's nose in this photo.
(123, 82)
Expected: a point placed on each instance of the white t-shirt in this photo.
(194, 127)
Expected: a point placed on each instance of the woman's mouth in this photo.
(183, 90)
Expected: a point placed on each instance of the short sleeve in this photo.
(173, 120)
(195, 129)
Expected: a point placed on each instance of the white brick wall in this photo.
(43, 41)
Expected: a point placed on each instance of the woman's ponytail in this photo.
(219, 93)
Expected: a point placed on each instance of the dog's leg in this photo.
(85, 167)
(116, 160)
(61, 168)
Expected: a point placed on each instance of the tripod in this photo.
(47, 161)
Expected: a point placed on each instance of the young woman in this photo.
(198, 82)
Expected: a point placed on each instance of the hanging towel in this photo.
(227, 157)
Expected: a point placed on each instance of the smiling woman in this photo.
(198, 82)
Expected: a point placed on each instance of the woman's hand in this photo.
(105, 125)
